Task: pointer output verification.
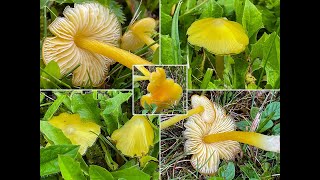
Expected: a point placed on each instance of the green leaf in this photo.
(272, 109)
(271, 60)
(215, 178)
(43, 3)
(228, 6)
(113, 110)
(99, 173)
(70, 169)
(54, 70)
(150, 168)
(249, 171)
(236, 72)
(42, 96)
(175, 35)
(86, 106)
(227, 171)
(243, 125)
(49, 157)
(166, 5)
(264, 126)
(129, 164)
(132, 173)
(166, 21)
(66, 101)
(276, 129)
(53, 134)
(253, 112)
(115, 7)
(111, 164)
(145, 159)
(257, 48)
(155, 58)
(53, 108)
(239, 7)
(166, 50)
(206, 79)
(251, 18)
(211, 9)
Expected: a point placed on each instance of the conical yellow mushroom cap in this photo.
(130, 40)
(218, 35)
(164, 92)
(78, 131)
(135, 137)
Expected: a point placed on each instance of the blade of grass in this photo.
(70, 71)
(175, 35)
(53, 108)
(112, 146)
(58, 80)
(206, 79)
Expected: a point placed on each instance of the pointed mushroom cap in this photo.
(130, 40)
(90, 20)
(218, 35)
(209, 113)
(206, 157)
(159, 87)
(79, 132)
(135, 137)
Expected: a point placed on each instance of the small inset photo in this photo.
(159, 89)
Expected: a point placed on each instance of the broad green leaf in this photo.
(66, 101)
(267, 126)
(227, 171)
(239, 6)
(239, 70)
(167, 5)
(49, 157)
(249, 171)
(166, 50)
(276, 129)
(113, 110)
(272, 109)
(211, 9)
(155, 150)
(271, 60)
(53, 134)
(253, 112)
(145, 159)
(43, 3)
(53, 108)
(251, 18)
(228, 6)
(132, 173)
(99, 173)
(269, 18)
(129, 164)
(243, 125)
(166, 21)
(70, 169)
(54, 70)
(257, 48)
(155, 175)
(150, 168)
(215, 178)
(86, 106)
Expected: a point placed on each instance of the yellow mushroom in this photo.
(80, 132)
(159, 88)
(135, 137)
(88, 35)
(139, 34)
(220, 37)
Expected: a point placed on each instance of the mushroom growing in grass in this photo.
(78, 131)
(135, 137)
(208, 142)
(139, 34)
(164, 92)
(88, 35)
(220, 37)
(200, 105)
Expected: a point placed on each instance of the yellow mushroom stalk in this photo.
(88, 35)
(220, 37)
(268, 143)
(139, 33)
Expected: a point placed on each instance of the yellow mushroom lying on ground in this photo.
(220, 37)
(159, 88)
(77, 130)
(210, 141)
(88, 35)
(139, 34)
(135, 137)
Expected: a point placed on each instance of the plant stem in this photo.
(268, 143)
(123, 57)
(177, 118)
(220, 66)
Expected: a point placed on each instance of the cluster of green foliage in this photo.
(258, 67)
(109, 109)
(119, 77)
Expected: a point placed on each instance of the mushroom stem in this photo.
(220, 66)
(177, 118)
(268, 143)
(148, 40)
(143, 70)
(123, 57)
(140, 78)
